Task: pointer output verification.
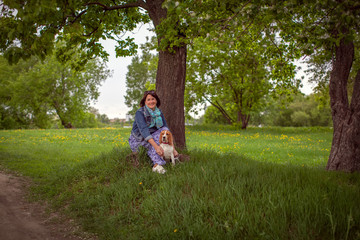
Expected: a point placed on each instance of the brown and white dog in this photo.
(167, 143)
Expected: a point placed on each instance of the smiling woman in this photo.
(148, 124)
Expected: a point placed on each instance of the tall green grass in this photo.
(222, 193)
(234, 198)
(299, 146)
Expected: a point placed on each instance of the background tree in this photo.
(103, 118)
(100, 118)
(302, 111)
(141, 76)
(87, 120)
(235, 70)
(56, 86)
(12, 115)
(328, 32)
(40, 90)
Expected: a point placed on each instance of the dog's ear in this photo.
(171, 142)
(160, 138)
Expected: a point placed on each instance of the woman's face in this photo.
(150, 101)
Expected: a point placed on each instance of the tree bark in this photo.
(244, 118)
(170, 87)
(170, 78)
(345, 148)
(61, 115)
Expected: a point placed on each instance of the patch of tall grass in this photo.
(214, 196)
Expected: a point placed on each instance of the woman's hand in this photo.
(159, 150)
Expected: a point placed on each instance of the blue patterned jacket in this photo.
(140, 129)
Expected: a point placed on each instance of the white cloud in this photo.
(111, 100)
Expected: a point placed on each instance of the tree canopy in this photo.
(31, 27)
(235, 71)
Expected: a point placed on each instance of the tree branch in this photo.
(138, 3)
(357, 7)
(94, 30)
(232, 17)
(65, 18)
(223, 112)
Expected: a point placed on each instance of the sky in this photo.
(112, 92)
(111, 100)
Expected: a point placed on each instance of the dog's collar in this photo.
(166, 143)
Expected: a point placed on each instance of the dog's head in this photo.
(166, 137)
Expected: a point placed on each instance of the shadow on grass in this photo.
(213, 196)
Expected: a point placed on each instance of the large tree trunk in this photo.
(170, 78)
(170, 86)
(345, 148)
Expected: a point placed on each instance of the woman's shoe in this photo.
(159, 169)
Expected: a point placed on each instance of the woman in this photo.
(148, 124)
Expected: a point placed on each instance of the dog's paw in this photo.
(173, 162)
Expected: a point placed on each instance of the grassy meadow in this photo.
(262, 183)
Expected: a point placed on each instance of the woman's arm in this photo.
(158, 149)
(142, 126)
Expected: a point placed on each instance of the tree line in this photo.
(302, 111)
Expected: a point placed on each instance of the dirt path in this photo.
(22, 220)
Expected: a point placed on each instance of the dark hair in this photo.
(152, 93)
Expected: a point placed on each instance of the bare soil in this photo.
(21, 219)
